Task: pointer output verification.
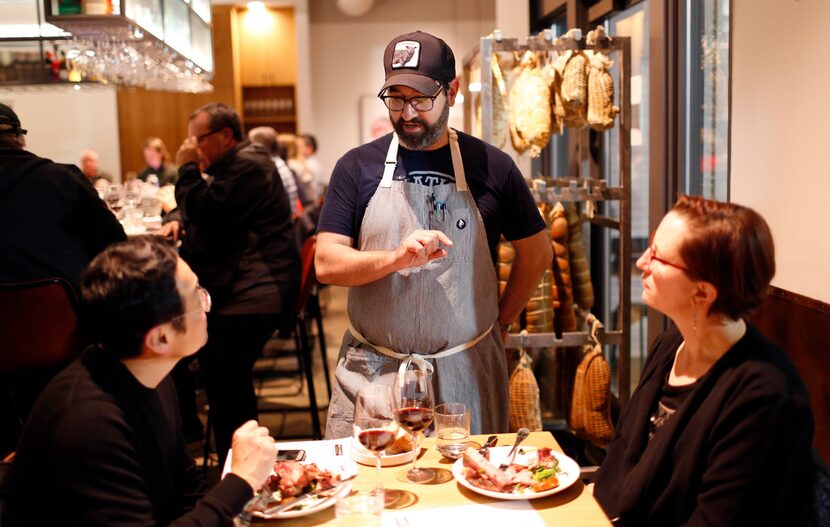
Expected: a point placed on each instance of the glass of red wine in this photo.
(375, 426)
(414, 414)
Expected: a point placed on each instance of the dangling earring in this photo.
(694, 324)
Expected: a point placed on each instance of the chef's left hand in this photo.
(188, 152)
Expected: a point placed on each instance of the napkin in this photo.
(322, 453)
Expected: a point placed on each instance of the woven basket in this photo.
(591, 402)
(524, 397)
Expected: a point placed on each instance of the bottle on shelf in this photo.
(97, 7)
(69, 7)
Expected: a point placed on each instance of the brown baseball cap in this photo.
(419, 61)
(9, 122)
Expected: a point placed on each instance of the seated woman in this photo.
(158, 163)
(719, 429)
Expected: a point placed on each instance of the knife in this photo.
(491, 442)
(282, 507)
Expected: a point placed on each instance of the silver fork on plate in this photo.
(521, 435)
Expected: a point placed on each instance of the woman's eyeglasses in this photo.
(652, 257)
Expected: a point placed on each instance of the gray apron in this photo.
(444, 313)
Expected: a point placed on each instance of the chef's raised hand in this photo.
(421, 247)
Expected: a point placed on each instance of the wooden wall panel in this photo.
(267, 47)
(146, 113)
(799, 325)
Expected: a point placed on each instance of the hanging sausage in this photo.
(529, 103)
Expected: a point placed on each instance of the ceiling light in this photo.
(256, 6)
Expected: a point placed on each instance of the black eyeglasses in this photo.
(421, 103)
(652, 251)
(204, 301)
(206, 134)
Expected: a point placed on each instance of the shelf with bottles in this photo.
(263, 104)
(37, 62)
(86, 7)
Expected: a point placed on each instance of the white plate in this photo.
(311, 506)
(367, 457)
(322, 453)
(568, 475)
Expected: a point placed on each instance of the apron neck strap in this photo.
(390, 163)
(457, 165)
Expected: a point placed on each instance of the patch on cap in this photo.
(406, 54)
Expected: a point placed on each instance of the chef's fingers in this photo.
(431, 240)
(440, 253)
(444, 238)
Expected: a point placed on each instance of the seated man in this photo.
(89, 166)
(103, 445)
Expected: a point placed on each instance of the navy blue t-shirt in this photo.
(499, 190)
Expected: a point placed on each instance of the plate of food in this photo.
(399, 451)
(535, 473)
(292, 481)
(315, 473)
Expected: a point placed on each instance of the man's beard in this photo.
(425, 138)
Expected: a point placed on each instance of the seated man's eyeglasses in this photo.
(422, 103)
(205, 303)
(207, 134)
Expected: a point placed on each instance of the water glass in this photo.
(360, 508)
(452, 429)
(133, 219)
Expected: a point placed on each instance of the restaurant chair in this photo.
(307, 309)
(40, 334)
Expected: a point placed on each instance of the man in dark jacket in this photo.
(239, 241)
(52, 223)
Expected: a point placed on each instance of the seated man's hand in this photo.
(188, 152)
(421, 247)
(253, 454)
(171, 229)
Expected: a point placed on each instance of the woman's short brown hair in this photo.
(158, 145)
(730, 246)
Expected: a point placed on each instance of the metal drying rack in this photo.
(547, 189)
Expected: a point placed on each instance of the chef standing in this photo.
(411, 224)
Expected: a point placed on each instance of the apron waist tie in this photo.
(418, 358)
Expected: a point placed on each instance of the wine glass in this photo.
(374, 425)
(115, 199)
(414, 414)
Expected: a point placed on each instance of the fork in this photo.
(244, 518)
(521, 435)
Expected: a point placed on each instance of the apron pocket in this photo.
(363, 365)
(460, 225)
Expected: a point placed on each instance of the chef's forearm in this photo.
(337, 263)
(533, 257)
